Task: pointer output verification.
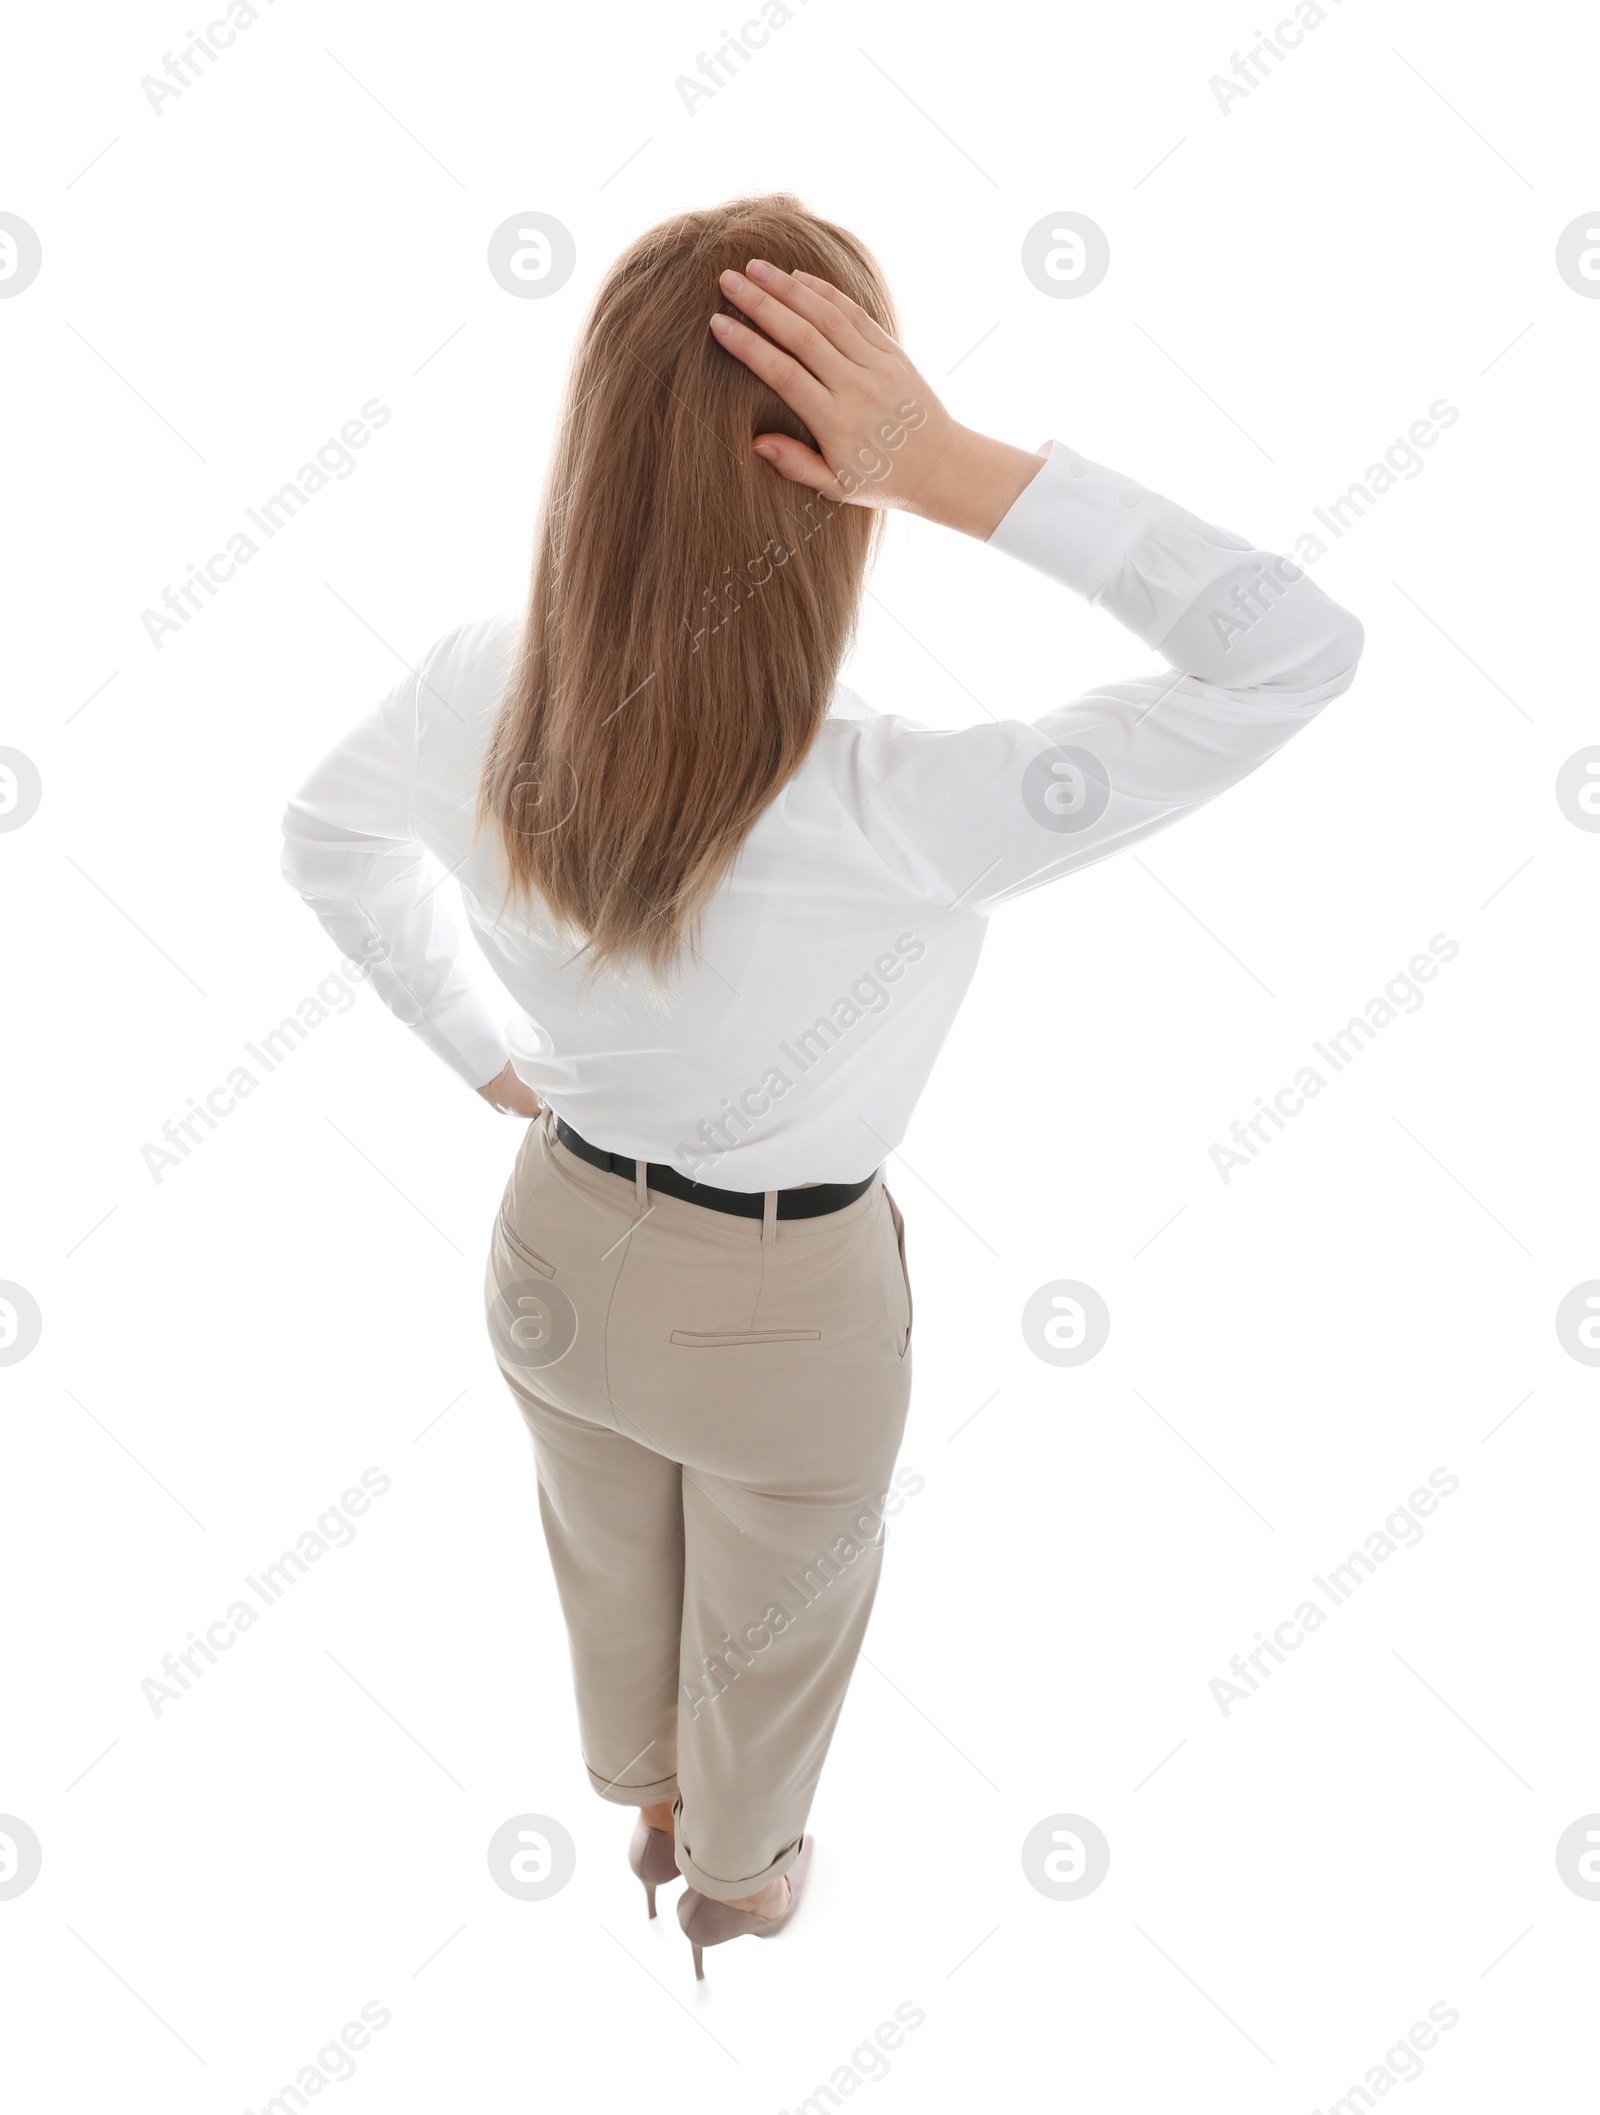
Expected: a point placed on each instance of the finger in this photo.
(805, 396)
(799, 464)
(867, 329)
(805, 295)
(789, 328)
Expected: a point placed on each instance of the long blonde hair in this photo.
(690, 607)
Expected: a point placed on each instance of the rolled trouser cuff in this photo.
(722, 1890)
(655, 1794)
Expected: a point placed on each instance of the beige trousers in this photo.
(716, 1404)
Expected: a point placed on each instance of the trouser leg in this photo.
(777, 1594)
(613, 1523)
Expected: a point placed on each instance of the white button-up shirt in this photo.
(835, 953)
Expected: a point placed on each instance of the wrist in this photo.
(980, 480)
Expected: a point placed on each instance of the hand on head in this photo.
(885, 440)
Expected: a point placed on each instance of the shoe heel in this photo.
(650, 1855)
(699, 1971)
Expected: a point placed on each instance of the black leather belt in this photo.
(812, 1203)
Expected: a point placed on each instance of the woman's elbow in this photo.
(1345, 652)
(1331, 668)
(1352, 638)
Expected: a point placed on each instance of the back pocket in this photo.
(520, 1248)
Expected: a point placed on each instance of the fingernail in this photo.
(806, 279)
(721, 324)
(731, 278)
(766, 448)
(760, 269)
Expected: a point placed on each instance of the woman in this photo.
(738, 911)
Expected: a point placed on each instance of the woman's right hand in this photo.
(510, 1094)
(885, 439)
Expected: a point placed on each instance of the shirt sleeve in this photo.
(352, 852)
(1253, 650)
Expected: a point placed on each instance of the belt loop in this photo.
(769, 1216)
(641, 1187)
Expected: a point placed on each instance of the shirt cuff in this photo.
(469, 1039)
(1074, 521)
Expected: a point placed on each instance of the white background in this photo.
(1292, 1885)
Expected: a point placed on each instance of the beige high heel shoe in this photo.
(653, 1856)
(707, 1922)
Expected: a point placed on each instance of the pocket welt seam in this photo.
(547, 1270)
(717, 1339)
